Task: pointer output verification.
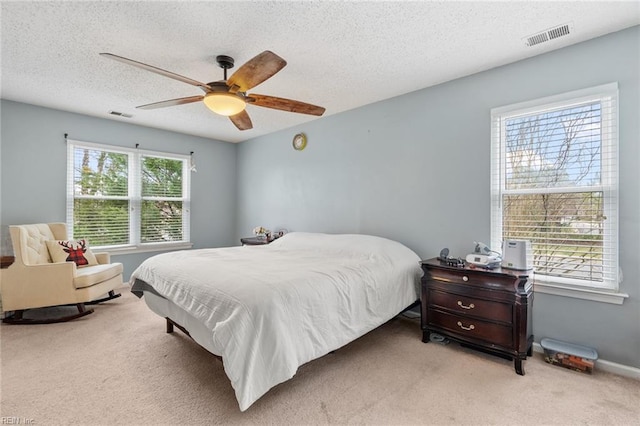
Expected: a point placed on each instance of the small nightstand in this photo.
(255, 241)
(486, 309)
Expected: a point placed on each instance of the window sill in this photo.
(145, 248)
(596, 295)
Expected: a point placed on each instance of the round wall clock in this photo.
(299, 141)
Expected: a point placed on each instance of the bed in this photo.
(266, 310)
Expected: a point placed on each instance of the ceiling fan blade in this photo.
(256, 70)
(157, 70)
(284, 104)
(172, 102)
(242, 120)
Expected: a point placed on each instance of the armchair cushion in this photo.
(91, 275)
(76, 251)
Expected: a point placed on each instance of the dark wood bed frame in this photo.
(171, 324)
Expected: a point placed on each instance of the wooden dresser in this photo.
(489, 310)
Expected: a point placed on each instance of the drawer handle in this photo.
(465, 278)
(463, 306)
(471, 327)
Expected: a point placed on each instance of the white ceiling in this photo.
(341, 55)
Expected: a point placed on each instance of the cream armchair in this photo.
(35, 281)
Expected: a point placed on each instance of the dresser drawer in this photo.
(472, 328)
(477, 277)
(467, 305)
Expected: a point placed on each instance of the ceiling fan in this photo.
(230, 97)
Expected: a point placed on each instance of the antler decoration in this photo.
(75, 254)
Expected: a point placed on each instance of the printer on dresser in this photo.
(486, 309)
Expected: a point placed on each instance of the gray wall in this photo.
(416, 169)
(34, 157)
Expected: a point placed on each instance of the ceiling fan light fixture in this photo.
(226, 104)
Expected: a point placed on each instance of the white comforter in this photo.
(274, 307)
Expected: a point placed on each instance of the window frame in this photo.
(134, 197)
(608, 290)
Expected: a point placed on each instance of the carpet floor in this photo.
(118, 366)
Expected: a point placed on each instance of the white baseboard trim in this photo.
(606, 366)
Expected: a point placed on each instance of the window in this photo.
(554, 175)
(120, 198)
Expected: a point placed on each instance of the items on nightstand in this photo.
(517, 254)
(450, 261)
(262, 236)
(484, 257)
(261, 231)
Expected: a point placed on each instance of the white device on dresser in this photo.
(517, 254)
(484, 257)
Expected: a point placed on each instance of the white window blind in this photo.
(162, 201)
(123, 198)
(554, 176)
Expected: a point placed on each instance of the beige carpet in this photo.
(118, 366)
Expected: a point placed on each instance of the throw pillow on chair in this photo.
(71, 251)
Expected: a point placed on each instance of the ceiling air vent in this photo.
(120, 114)
(547, 35)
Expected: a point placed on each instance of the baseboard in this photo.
(606, 366)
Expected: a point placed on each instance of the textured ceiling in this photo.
(341, 55)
